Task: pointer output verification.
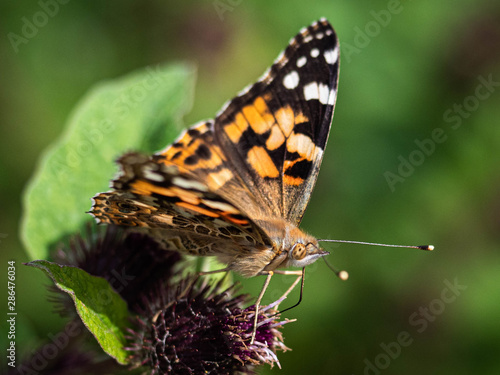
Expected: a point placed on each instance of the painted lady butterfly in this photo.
(236, 187)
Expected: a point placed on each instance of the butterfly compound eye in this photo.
(299, 251)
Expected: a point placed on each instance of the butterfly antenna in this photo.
(342, 275)
(422, 247)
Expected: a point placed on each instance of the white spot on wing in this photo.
(331, 56)
(324, 93)
(314, 52)
(311, 91)
(319, 153)
(152, 175)
(308, 38)
(189, 184)
(319, 35)
(331, 98)
(221, 206)
(320, 92)
(301, 61)
(291, 80)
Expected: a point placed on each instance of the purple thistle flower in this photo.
(133, 263)
(197, 329)
(182, 325)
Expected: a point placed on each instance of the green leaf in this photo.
(101, 309)
(141, 111)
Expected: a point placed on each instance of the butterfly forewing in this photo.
(276, 132)
(153, 195)
(196, 152)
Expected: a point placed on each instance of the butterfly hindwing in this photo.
(149, 194)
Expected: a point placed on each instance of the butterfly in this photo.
(236, 187)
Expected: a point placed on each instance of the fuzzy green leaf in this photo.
(101, 309)
(141, 111)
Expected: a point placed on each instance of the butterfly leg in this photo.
(257, 303)
(300, 276)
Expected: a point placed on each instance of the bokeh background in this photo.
(408, 68)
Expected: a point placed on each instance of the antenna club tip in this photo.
(343, 275)
(427, 247)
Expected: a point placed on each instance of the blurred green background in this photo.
(408, 68)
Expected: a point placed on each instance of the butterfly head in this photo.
(303, 254)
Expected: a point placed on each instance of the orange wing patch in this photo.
(289, 180)
(140, 187)
(259, 116)
(216, 180)
(233, 131)
(286, 120)
(276, 138)
(195, 151)
(279, 127)
(192, 151)
(198, 209)
(308, 151)
(261, 162)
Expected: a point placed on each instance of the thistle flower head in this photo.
(133, 263)
(181, 325)
(203, 329)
